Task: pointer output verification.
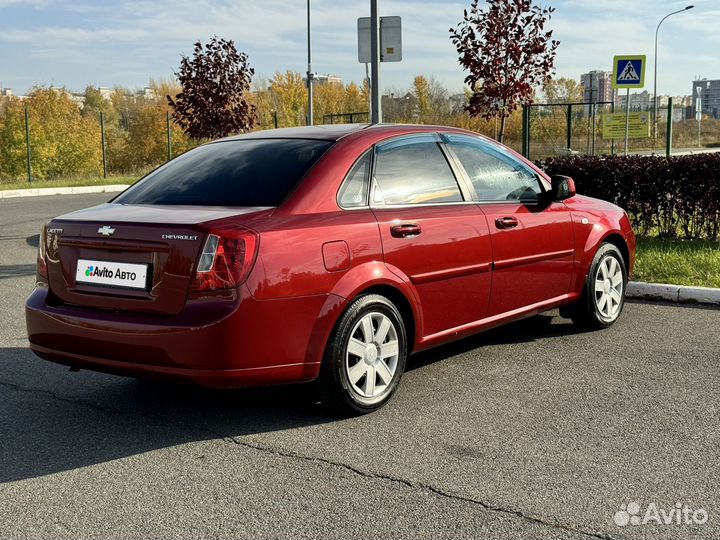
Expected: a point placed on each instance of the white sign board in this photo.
(390, 39)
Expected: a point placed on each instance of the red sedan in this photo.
(326, 253)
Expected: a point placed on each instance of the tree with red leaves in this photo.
(214, 82)
(507, 53)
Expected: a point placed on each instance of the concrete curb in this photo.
(673, 293)
(38, 192)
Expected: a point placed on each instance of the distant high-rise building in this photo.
(639, 101)
(709, 93)
(597, 86)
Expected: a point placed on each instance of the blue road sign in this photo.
(628, 71)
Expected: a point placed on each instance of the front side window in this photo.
(251, 172)
(495, 174)
(413, 170)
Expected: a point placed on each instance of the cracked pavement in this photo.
(528, 431)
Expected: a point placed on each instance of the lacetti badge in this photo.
(105, 230)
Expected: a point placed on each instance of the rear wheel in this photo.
(365, 358)
(604, 291)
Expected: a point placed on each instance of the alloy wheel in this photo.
(371, 356)
(609, 287)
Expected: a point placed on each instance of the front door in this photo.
(431, 231)
(532, 241)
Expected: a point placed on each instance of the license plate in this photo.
(113, 274)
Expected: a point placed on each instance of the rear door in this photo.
(431, 231)
(532, 241)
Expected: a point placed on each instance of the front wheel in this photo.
(604, 291)
(365, 358)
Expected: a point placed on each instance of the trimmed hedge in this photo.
(675, 197)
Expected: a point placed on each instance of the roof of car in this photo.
(332, 132)
(328, 132)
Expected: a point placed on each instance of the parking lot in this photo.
(531, 430)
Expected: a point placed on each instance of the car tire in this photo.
(365, 357)
(603, 294)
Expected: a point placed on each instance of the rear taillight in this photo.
(225, 261)
(42, 268)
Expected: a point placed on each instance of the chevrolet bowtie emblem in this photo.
(106, 231)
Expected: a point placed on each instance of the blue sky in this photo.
(73, 43)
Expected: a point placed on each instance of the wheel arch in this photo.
(401, 302)
(617, 240)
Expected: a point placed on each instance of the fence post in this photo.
(612, 141)
(102, 141)
(169, 135)
(569, 127)
(526, 132)
(27, 143)
(669, 129)
(594, 122)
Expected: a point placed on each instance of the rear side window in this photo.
(259, 172)
(354, 190)
(413, 171)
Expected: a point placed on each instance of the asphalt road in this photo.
(529, 431)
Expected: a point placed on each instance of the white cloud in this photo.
(78, 41)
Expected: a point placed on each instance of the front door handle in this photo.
(506, 222)
(405, 230)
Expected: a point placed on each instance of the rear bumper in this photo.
(232, 341)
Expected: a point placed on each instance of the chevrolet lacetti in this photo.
(326, 253)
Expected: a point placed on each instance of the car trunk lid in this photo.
(132, 257)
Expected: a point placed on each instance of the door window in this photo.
(495, 174)
(413, 170)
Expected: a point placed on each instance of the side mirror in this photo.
(563, 187)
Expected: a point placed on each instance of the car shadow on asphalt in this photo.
(523, 331)
(52, 420)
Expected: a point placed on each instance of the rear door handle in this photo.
(405, 230)
(506, 222)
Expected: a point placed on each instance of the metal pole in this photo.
(309, 71)
(627, 119)
(169, 135)
(698, 110)
(594, 114)
(569, 127)
(102, 141)
(367, 78)
(27, 142)
(612, 141)
(655, 98)
(375, 62)
(275, 118)
(669, 130)
(526, 132)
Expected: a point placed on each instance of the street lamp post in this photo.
(309, 71)
(655, 98)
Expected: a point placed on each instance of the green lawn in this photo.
(678, 262)
(71, 182)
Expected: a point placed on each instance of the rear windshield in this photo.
(230, 173)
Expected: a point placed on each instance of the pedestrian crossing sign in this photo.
(628, 71)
